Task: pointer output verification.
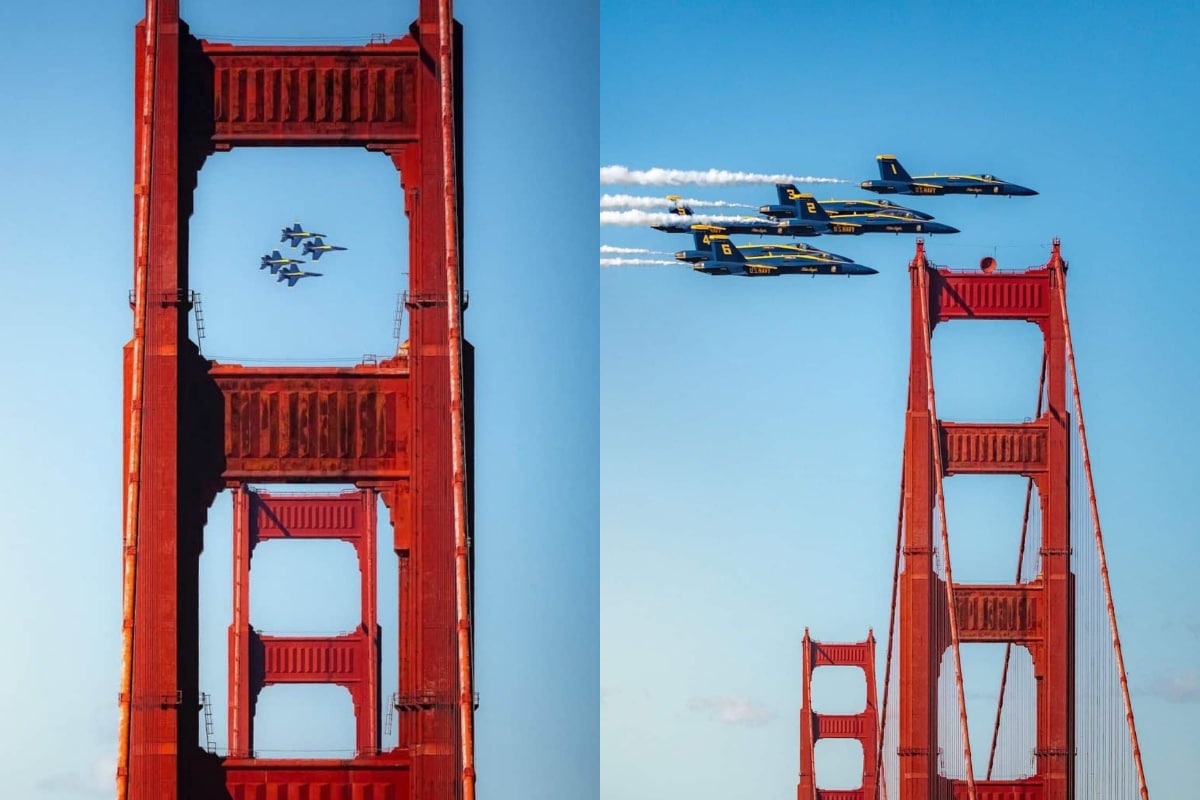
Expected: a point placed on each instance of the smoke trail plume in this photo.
(635, 201)
(637, 262)
(631, 251)
(658, 176)
(635, 217)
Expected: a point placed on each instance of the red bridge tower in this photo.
(396, 430)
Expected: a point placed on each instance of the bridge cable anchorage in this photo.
(1020, 563)
(951, 611)
(137, 377)
(1058, 269)
(466, 782)
(887, 674)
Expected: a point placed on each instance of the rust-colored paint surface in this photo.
(1039, 615)
(202, 427)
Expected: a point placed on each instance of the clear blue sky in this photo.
(751, 429)
(66, 76)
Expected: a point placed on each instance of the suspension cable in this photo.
(887, 675)
(134, 444)
(1020, 563)
(952, 612)
(1058, 269)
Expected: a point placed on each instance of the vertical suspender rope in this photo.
(454, 342)
(887, 675)
(1056, 266)
(1020, 562)
(941, 504)
(134, 444)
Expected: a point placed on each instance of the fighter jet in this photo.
(726, 259)
(838, 208)
(297, 234)
(275, 261)
(895, 180)
(809, 212)
(294, 275)
(702, 235)
(750, 225)
(317, 246)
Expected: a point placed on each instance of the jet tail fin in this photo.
(678, 208)
(788, 193)
(890, 169)
(807, 208)
(724, 250)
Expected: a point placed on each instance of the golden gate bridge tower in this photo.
(1063, 727)
(396, 430)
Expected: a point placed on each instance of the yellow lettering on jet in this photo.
(726, 249)
(812, 207)
(793, 194)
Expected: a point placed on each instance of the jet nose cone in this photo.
(1027, 192)
(939, 227)
(867, 271)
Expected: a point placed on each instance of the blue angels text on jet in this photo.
(317, 247)
(293, 274)
(297, 234)
(275, 261)
(894, 179)
(716, 255)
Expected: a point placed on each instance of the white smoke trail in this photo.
(631, 251)
(636, 201)
(637, 262)
(657, 176)
(635, 217)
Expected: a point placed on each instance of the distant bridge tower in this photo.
(398, 429)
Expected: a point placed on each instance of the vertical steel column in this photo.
(920, 653)
(242, 693)
(163, 659)
(1055, 670)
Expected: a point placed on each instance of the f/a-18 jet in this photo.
(723, 258)
(807, 211)
(894, 179)
(294, 274)
(747, 225)
(317, 247)
(275, 261)
(702, 235)
(836, 208)
(297, 234)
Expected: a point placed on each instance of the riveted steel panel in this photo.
(994, 448)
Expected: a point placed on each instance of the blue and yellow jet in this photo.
(723, 258)
(294, 274)
(317, 247)
(275, 261)
(808, 211)
(297, 234)
(748, 225)
(838, 208)
(895, 180)
(702, 235)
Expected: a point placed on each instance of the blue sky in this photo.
(751, 429)
(65, 217)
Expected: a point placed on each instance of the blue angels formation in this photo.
(289, 268)
(798, 213)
